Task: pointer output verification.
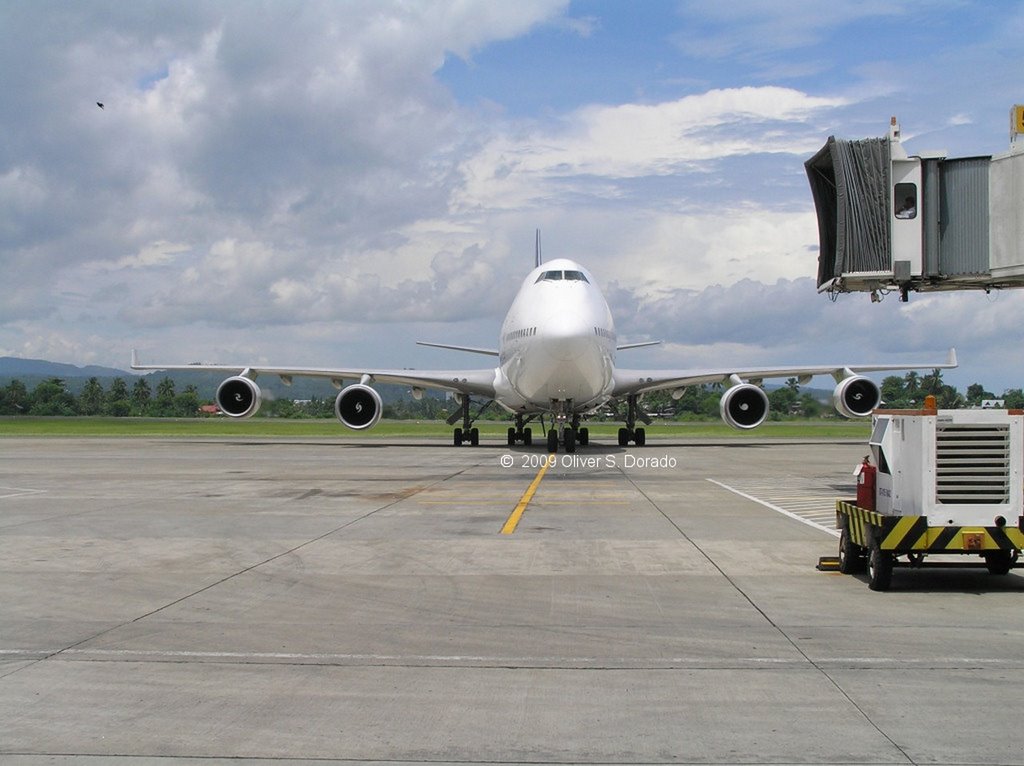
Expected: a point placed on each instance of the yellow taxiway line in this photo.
(517, 514)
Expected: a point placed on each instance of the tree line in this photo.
(52, 397)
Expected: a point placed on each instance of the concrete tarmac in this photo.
(322, 601)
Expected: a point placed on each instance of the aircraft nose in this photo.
(567, 338)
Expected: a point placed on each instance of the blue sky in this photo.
(323, 182)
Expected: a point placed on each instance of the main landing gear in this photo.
(518, 433)
(631, 433)
(468, 433)
(636, 435)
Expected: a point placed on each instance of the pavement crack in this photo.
(778, 628)
(245, 570)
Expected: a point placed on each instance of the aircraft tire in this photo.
(623, 437)
(552, 440)
(474, 437)
(570, 440)
(528, 436)
(458, 437)
(640, 437)
(584, 434)
(511, 436)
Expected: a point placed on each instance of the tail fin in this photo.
(538, 259)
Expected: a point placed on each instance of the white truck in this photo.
(938, 481)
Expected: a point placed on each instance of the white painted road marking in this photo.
(19, 492)
(810, 503)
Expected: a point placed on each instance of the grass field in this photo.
(271, 427)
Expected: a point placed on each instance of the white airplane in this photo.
(556, 357)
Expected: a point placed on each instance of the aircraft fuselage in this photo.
(557, 342)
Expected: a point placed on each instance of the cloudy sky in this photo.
(322, 183)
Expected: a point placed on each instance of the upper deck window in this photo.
(577, 276)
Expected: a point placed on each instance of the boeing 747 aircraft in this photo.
(557, 357)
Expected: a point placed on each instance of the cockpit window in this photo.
(577, 276)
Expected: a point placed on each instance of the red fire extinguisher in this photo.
(866, 485)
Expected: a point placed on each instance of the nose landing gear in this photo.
(566, 431)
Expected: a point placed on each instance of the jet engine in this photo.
(359, 407)
(744, 406)
(856, 396)
(239, 397)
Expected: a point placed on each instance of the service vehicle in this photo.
(936, 482)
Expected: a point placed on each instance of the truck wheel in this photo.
(879, 568)
(998, 562)
(851, 555)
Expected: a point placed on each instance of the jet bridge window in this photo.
(904, 197)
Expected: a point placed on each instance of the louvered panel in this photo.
(972, 463)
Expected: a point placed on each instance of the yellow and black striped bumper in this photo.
(912, 533)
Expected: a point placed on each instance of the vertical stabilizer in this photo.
(538, 260)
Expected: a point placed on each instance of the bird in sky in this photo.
(99, 104)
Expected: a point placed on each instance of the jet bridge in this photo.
(892, 221)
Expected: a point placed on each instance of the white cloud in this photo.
(298, 168)
(157, 254)
(612, 143)
(749, 29)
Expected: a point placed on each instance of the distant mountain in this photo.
(13, 367)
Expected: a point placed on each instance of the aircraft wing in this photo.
(641, 381)
(478, 382)
(468, 349)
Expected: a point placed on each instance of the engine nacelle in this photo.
(359, 407)
(856, 397)
(744, 406)
(239, 397)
